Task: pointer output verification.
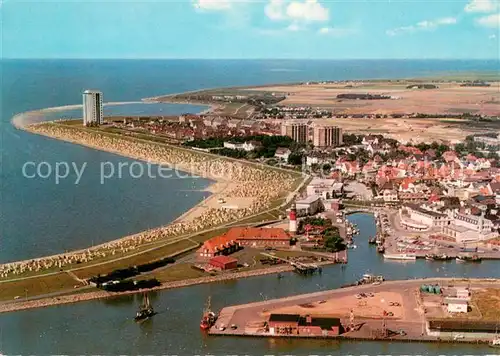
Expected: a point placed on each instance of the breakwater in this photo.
(75, 298)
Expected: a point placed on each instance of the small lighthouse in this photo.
(293, 220)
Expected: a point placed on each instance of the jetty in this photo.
(299, 267)
(391, 311)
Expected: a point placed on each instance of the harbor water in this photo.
(107, 327)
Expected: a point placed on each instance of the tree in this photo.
(493, 155)
(332, 240)
(295, 158)
(327, 167)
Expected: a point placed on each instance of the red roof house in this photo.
(223, 262)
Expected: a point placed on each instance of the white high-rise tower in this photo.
(92, 108)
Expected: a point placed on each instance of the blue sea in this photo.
(39, 217)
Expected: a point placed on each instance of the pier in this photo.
(303, 268)
(405, 322)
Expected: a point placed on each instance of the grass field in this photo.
(178, 272)
(156, 254)
(36, 286)
(488, 303)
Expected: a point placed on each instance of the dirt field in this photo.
(448, 98)
(369, 307)
(488, 303)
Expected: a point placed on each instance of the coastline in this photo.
(18, 120)
(223, 186)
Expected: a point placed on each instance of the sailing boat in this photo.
(209, 317)
(146, 310)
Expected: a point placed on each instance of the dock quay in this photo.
(407, 322)
(299, 267)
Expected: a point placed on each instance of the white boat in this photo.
(400, 256)
(495, 342)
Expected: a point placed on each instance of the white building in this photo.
(489, 141)
(282, 153)
(427, 216)
(246, 146)
(465, 227)
(327, 188)
(457, 305)
(309, 206)
(390, 195)
(462, 293)
(92, 108)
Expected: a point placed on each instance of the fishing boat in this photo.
(209, 317)
(372, 240)
(474, 258)
(438, 257)
(146, 310)
(380, 249)
(400, 256)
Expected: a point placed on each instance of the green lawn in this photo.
(36, 286)
(156, 254)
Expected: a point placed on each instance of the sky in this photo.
(309, 29)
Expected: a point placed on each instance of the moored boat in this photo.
(438, 257)
(209, 317)
(400, 256)
(463, 258)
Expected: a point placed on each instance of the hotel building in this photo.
(299, 132)
(92, 108)
(327, 136)
(470, 228)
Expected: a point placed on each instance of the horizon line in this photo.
(251, 59)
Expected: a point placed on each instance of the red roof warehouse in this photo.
(223, 262)
(259, 236)
(243, 236)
